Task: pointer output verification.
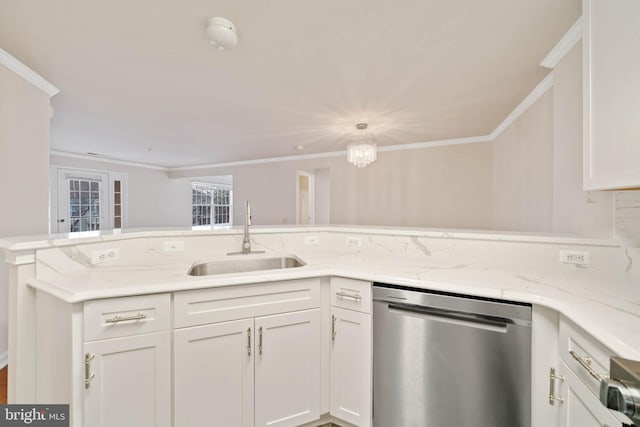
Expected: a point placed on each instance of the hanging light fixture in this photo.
(362, 151)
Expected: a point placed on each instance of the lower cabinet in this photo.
(351, 351)
(213, 374)
(262, 371)
(583, 361)
(128, 381)
(351, 366)
(581, 408)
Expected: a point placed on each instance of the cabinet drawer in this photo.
(573, 338)
(200, 307)
(120, 317)
(351, 294)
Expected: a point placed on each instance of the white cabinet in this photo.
(127, 372)
(351, 352)
(262, 370)
(578, 388)
(130, 382)
(213, 374)
(611, 94)
(287, 363)
(351, 366)
(581, 408)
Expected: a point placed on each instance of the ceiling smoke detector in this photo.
(222, 33)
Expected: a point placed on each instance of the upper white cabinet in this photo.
(611, 46)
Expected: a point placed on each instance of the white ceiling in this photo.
(139, 80)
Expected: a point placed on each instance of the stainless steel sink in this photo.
(244, 265)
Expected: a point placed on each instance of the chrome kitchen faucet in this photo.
(246, 240)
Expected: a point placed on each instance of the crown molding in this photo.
(440, 143)
(531, 99)
(259, 161)
(27, 73)
(417, 145)
(106, 160)
(564, 45)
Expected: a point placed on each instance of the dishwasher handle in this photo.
(472, 320)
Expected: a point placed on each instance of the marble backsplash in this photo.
(627, 217)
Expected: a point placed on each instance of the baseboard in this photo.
(4, 359)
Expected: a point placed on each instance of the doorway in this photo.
(86, 200)
(305, 198)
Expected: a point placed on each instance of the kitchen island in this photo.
(600, 299)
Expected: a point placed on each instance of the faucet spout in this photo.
(246, 239)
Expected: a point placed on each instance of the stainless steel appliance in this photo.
(621, 392)
(443, 360)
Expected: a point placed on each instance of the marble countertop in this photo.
(600, 308)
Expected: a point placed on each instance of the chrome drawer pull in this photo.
(260, 340)
(249, 341)
(586, 362)
(117, 318)
(552, 387)
(88, 376)
(355, 297)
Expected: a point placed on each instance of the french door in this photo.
(83, 201)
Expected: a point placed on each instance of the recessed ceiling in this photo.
(140, 81)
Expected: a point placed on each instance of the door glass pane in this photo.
(84, 205)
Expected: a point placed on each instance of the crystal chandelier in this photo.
(362, 151)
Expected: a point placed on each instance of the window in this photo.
(211, 204)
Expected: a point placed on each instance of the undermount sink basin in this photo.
(244, 265)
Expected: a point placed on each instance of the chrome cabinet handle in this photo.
(355, 296)
(260, 340)
(552, 386)
(333, 327)
(248, 341)
(117, 318)
(586, 362)
(88, 376)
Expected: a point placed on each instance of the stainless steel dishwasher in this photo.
(446, 360)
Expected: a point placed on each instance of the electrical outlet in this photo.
(354, 241)
(575, 257)
(105, 255)
(311, 240)
(173, 246)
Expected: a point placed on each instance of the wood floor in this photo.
(3, 384)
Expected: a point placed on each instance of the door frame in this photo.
(312, 196)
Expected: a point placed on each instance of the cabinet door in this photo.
(581, 408)
(351, 366)
(287, 364)
(132, 382)
(611, 88)
(213, 375)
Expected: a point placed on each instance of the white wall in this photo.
(447, 186)
(523, 171)
(25, 113)
(538, 165)
(154, 199)
(323, 195)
